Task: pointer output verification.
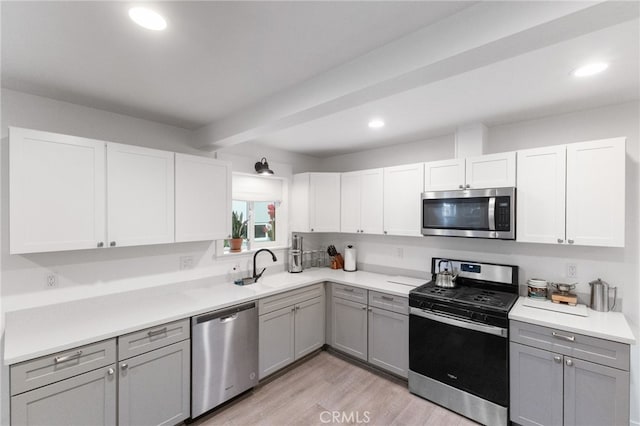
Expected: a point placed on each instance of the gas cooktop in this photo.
(475, 296)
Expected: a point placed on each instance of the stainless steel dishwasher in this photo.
(224, 357)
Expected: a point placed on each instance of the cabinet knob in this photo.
(112, 244)
(100, 244)
(293, 309)
(385, 232)
(311, 229)
(560, 240)
(369, 309)
(460, 186)
(557, 358)
(467, 186)
(297, 308)
(569, 363)
(364, 308)
(570, 241)
(124, 366)
(110, 371)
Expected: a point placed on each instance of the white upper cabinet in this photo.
(491, 171)
(541, 195)
(596, 193)
(402, 199)
(203, 198)
(572, 194)
(444, 175)
(362, 201)
(57, 192)
(485, 171)
(316, 202)
(140, 195)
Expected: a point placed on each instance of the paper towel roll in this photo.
(349, 259)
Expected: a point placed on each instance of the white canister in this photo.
(537, 288)
(350, 259)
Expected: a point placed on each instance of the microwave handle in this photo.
(492, 213)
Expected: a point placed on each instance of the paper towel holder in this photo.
(349, 259)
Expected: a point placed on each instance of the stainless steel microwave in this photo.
(473, 213)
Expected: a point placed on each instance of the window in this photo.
(257, 213)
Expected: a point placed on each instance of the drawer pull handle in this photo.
(350, 290)
(563, 337)
(557, 358)
(390, 299)
(68, 357)
(152, 333)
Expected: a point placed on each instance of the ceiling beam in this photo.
(477, 36)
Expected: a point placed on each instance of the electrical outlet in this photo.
(572, 270)
(186, 262)
(51, 281)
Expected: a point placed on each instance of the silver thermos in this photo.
(600, 296)
(295, 254)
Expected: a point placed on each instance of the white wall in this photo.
(618, 266)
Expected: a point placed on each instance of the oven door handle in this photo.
(446, 319)
(492, 213)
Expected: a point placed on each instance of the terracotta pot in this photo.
(235, 244)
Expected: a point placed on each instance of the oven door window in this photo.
(469, 360)
(456, 213)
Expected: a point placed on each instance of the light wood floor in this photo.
(307, 394)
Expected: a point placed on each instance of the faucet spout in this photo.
(257, 276)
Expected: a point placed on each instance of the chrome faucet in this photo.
(257, 276)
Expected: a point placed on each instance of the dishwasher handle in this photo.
(224, 315)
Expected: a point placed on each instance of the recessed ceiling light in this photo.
(376, 123)
(147, 18)
(590, 69)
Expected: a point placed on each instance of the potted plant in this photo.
(238, 231)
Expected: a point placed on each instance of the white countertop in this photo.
(35, 332)
(605, 325)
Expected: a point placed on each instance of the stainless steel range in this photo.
(458, 340)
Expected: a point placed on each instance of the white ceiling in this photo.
(307, 76)
(215, 57)
(531, 85)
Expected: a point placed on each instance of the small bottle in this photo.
(236, 274)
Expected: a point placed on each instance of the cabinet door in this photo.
(541, 195)
(349, 327)
(371, 201)
(275, 340)
(154, 388)
(140, 195)
(300, 203)
(491, 171)
(203, 198)
(350, 191)
(535, 386)
(444, 175)
(596, 193)
(595, 394)
(324, 202)
(57, 192)
(402, 199)
(389, 341)
(86, 399)
(309, 326)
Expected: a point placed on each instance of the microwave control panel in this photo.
(503, 213)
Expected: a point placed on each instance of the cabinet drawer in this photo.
(146, 340)
(282, 300)
(350, 293)
(390, 303)
(601, 351)
(62, 365)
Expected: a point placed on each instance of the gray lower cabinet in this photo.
(389, 341)
(275, 340)
(290, 326)
(377, 332)
(86, 399)
(550, 384)
(154, 387)
(349, 324)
